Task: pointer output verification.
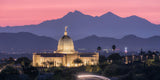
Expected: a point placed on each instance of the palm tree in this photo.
(77, 61)
(113, 47)
(142, 52)
(99, 48)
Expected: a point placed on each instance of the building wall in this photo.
(36, 59)
(39, 61)
(67, 60)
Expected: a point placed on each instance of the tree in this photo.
(32, 72)
(130, 76)
(10, 73)
(113, 47)
(149, 62)
(58, 75)
(99, 48)
(10, 60)
(102, 59)
(8, 70)
(92, 68)
(64, 75)
(116, 58)
(142, 52)
(24, 61)
(110, 70)
(115, 69)
(77, 61)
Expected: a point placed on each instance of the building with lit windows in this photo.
(65, 55)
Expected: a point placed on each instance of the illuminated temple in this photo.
(65, 55)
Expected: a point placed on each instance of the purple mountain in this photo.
(133, 43)
(25, 41)
(81, 25)
(28, 42)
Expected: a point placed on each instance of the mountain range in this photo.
(82, 25)
(24, 41)
(132, 42)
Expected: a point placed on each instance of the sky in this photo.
(26, 12)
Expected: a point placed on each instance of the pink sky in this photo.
(26, 12)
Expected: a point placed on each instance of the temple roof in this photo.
(65, 44)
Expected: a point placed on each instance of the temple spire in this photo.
(65, 33)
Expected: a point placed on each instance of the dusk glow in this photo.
(26, 12)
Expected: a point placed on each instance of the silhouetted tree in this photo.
(10, 70)
(32, 72)
(115, 69)
(152, 72)
(149, 52)
(142, 52)
(10, 73)
(102, 59)
(64, 75)
(24, 61)
(92, 68)
(130, 76)
(116, 58)
(10, 60)
(113, 47)
(99, 48)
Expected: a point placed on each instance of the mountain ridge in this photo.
(133, 42)
(31, 42)
(82, 25)
(76, 11)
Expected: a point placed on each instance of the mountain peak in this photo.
(109, 15)
(75, 13)
(131, 36)
(134, 17)
(137, 19)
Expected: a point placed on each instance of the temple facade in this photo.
(65, 55)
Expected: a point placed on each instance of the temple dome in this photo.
(65, 44)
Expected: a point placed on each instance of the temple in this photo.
(65, 55)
